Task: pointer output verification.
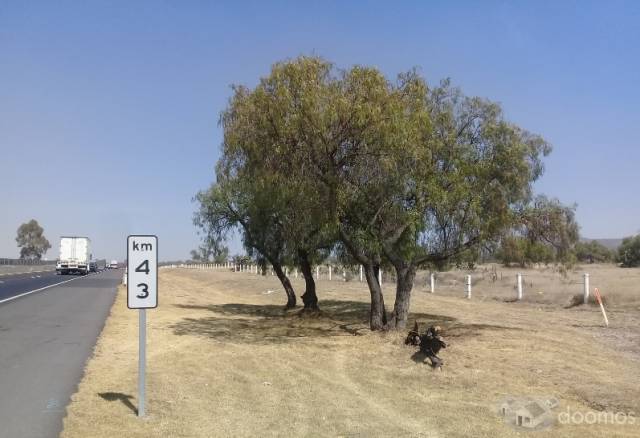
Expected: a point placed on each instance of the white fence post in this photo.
(317, 272)
(469, 286)
(296, 272)
(360, 273)
(433, 282)
(380, 277)
(586, 288)
(329, 272)
(519, 277)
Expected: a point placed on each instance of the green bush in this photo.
(593, 252)
(629, 252)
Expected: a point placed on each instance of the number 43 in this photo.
(143, 267)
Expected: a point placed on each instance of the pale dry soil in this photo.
(225, 360)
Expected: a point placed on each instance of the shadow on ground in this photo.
(458, 330)
(118, 396)
(268, 324)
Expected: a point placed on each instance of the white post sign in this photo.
(142, 294)
(142, 270)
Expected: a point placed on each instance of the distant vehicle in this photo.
(93, 266)
(113, 264)
(75, 255)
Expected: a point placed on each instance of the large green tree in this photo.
(31, 240)
(391, 172)
(461, 179)
(267, 133)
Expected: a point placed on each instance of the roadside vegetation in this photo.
(388, 174)
(629, 252)
(223, 359)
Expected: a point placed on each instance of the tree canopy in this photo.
(384, 172)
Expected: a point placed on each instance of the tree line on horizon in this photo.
(392, 174)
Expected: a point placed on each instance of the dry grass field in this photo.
(225, 360)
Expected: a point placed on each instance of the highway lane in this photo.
(45, 340)
(15, 284)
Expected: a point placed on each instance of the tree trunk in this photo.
(291, 296)
(404, 284)
(309, 298)
(378, 315)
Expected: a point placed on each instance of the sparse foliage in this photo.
(546, 232)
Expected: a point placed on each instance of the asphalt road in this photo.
(45, 339)
(16, 284)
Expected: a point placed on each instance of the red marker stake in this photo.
(597, 292)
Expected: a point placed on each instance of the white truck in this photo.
(75, 255)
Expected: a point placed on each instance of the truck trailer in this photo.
(75, 255)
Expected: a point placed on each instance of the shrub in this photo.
(629, 252)
(593, 252)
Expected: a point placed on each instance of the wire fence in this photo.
(21, 262)
(542, 285)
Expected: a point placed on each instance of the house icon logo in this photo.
(528, 413)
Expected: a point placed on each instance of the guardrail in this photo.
(16, 262)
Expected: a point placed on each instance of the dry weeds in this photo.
(225, 360)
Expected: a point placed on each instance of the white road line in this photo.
(38, 290)
(22, 273)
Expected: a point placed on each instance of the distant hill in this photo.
(609, 243)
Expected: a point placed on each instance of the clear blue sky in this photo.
(109, 110)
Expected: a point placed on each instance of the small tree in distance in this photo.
(31, 241)
(593, 252)
(629, 252)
